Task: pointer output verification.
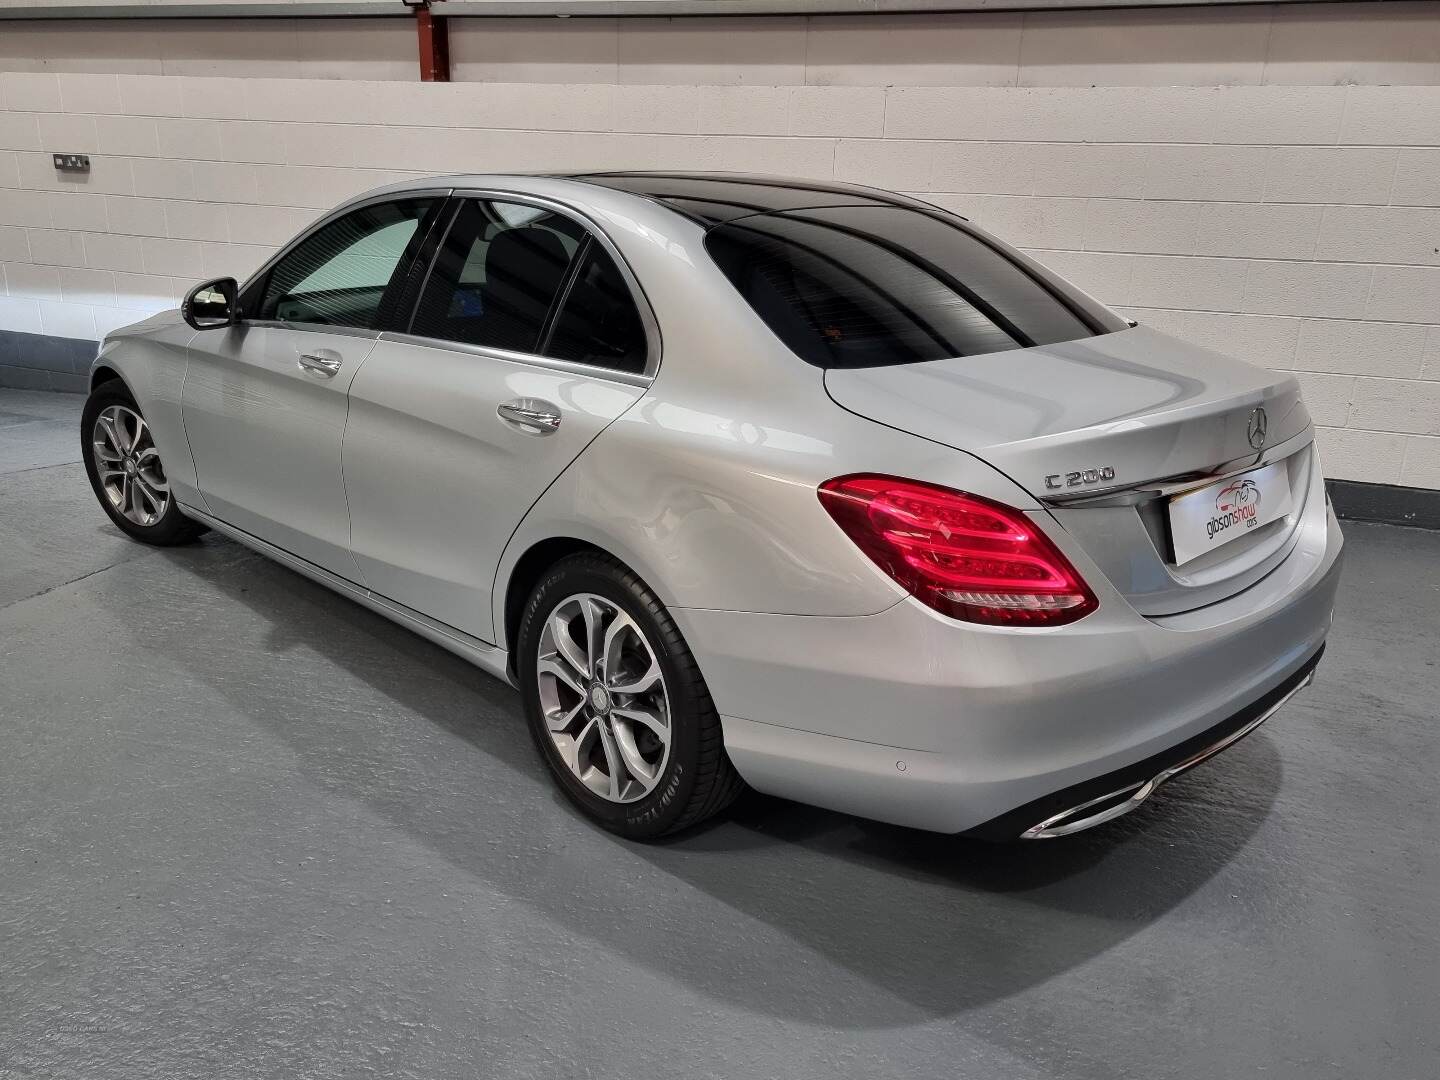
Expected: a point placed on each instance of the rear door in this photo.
(526, 341)
(264, 402)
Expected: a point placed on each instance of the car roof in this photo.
(706, 198)
(712, 198)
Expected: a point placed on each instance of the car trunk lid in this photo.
(1125, 412)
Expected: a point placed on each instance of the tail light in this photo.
(964, 556)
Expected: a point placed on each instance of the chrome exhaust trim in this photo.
(1121, 801)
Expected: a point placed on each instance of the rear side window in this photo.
(598, 323)
(867, 286)
(526, 279)
(497, 275)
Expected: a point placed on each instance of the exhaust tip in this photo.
(1093, 812)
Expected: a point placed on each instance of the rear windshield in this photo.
(865, 286)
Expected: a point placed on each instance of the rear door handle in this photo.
(322, 362)
(531, 415)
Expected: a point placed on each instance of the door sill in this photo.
(484, 655)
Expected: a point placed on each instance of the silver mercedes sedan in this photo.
(748, 481)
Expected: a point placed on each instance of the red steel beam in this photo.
(433, 32)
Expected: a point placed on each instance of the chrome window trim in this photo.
(653, 342)
(528, 359)
(1130, 494)
(314, 328)
(319, 223)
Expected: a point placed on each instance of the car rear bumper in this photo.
(911, 718)
(1105, 798)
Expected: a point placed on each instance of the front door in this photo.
(526, 343)
(265, 402)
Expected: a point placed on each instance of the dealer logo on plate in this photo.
(1235, 504)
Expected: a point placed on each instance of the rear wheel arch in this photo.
(516, 580)
(526, 573)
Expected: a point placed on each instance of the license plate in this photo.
(1205, 519)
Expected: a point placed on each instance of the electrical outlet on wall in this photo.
(79, 163)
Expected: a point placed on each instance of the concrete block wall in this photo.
(1262, 180)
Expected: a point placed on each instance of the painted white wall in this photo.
(1262, 180)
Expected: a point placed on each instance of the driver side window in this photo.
(340, 274)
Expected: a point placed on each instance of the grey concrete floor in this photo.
(248, 829)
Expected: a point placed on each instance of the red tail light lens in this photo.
(964, 556)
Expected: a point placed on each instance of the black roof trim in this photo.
(714, 198)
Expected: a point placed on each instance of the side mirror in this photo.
(212, 304)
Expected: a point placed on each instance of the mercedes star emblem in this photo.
(1255, 430)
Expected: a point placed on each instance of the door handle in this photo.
(531, 415)
(321, 362)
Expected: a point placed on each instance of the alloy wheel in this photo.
(603, 697)
(128, 466)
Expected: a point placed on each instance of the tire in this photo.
(693, 778)
(133, 490)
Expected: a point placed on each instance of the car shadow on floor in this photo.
(899, 926)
